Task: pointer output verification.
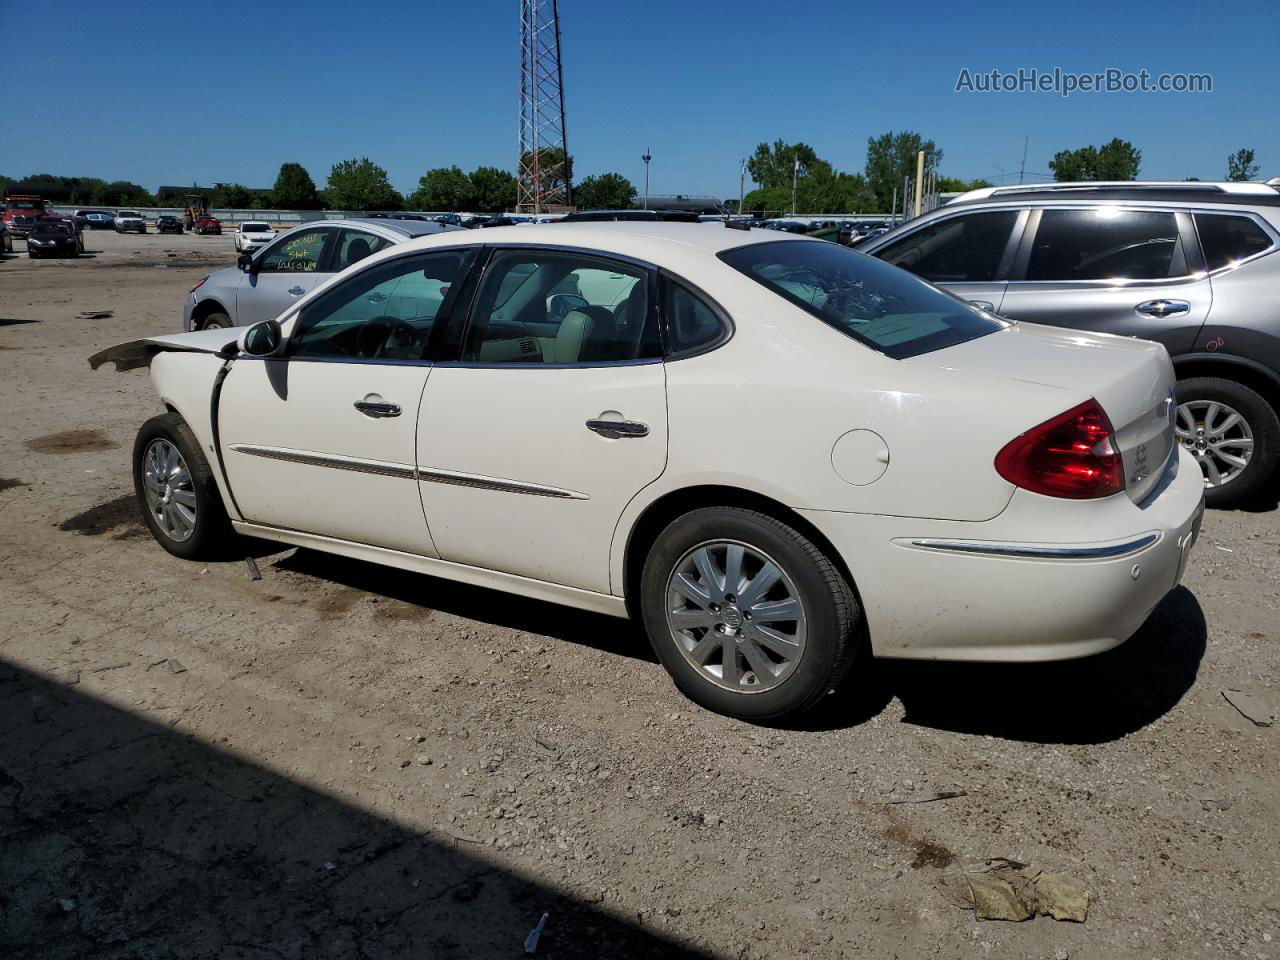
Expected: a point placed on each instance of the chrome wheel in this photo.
(166, 482)
(736, 616)
(1219, 436)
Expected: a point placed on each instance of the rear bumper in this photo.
(1034, 583)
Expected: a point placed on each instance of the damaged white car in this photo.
(781, 455)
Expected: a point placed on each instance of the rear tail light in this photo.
(1073, 456)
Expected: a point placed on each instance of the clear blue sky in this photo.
(413, 85)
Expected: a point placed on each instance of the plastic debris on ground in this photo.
(1001, 889)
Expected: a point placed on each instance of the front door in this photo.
(285, 272)
(531, 444)
(322, 439)
(1135, 273)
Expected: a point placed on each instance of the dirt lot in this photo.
(339, 760)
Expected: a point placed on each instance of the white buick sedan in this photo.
(779, 454)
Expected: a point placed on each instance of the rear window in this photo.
(876, 304)
(1227, 239)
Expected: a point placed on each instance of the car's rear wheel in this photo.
(1234, 434)
(748, 615)
(176, 490)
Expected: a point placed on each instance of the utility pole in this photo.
(919, 179)
(742, 179)
(646, 158)
(1023, 169)
(795, 178)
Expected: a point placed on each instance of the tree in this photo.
(959, 185)
(1116, 160)
(891, 157)
(555, 169)
(774, 166)
(1240, 165)
(443, 188)
(294, 189)
(494, 189)
(232, 195)
(361, 185)
(609, 191)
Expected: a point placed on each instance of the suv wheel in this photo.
(748, 616)
(1234, 434)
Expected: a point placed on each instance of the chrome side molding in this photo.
(1033, 551)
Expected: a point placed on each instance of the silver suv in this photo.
(1192, 265)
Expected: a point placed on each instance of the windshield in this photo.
(43, 228)
(128, 213)
(255, 227)
(877, 304)
(24, 205)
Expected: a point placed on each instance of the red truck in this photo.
(20, 212)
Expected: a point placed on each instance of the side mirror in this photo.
(245, 263)
(262, 339)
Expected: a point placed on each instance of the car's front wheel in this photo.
(1233, 432)
(216, 321)
(177, 492)
(748, 615)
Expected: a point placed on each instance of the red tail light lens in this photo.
(1073, 456)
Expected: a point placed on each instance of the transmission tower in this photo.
(543, 168)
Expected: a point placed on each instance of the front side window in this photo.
(964, 249)
(386, 312)
(871, 301)
(548, 307)
(1106, 244)
(353, 246)
(1228, 239)
(297, 253)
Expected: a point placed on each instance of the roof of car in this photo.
(1166, 191)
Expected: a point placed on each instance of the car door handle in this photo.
(377, 408)
(296, 291)
(1163, 308)
(618, 429)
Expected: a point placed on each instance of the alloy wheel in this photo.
(736, 616)
(166, 483)
(1218, 435)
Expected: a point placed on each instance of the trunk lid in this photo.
(1132, 379)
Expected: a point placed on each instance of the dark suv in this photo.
(1192, 265)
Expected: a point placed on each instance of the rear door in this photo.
(1132, 272)
(968, 254)
(552, 417)
(286, 271)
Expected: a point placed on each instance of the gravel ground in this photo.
(339, 760)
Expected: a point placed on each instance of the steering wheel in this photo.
(374, 335)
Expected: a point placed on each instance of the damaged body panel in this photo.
(133, 354)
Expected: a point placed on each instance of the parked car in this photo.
(53, 238)
(451, 219)
(267, 281)
(96, 219)
(595, 216)
(1191, 265)
(168, 224)
(127, 221)
(206, 223)
(919, 477)
(253, 235)
(786, 226)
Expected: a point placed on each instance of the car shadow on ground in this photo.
(607, 634)
(1090, 700)
(121, 837)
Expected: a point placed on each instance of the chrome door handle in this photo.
(1163, 308)
(618, 429)
(377, 408)
(296, 291)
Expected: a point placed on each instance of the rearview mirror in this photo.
(260, 340)
(245, 263)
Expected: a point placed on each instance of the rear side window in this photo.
(692, 323)
(965, 249)
(1227, 239)
(353, 246)
(1106, 244)
(874, 303)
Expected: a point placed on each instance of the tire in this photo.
(216, 321)
(826, 648)
(210, 532)
(1258, 421)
